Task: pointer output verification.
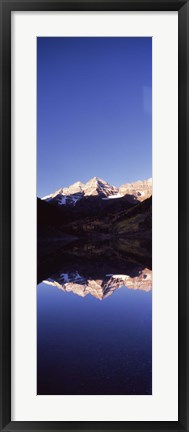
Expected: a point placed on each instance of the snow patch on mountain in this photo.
(118, 195)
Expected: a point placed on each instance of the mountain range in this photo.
(100, 288)
(97, 187)
(97, 208)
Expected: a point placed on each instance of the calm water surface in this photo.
(92, 346)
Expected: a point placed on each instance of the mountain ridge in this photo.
(100, 288)
(140, 190)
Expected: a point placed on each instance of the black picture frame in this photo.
(6, 7)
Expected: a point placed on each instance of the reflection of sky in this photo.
(94, 110)
(147, 100)
(91, 347)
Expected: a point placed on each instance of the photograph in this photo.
(94, 216)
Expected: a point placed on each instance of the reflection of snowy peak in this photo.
(98, 187)
(101, 288)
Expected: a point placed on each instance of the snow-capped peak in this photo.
(76, 184)
(99, 187)
(96, 180)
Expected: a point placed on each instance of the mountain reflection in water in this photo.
(100, 288)
(91, 347)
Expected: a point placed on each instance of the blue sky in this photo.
(94, 110)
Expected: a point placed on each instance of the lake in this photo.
(94, 328)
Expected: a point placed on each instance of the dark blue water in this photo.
(91, 346)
